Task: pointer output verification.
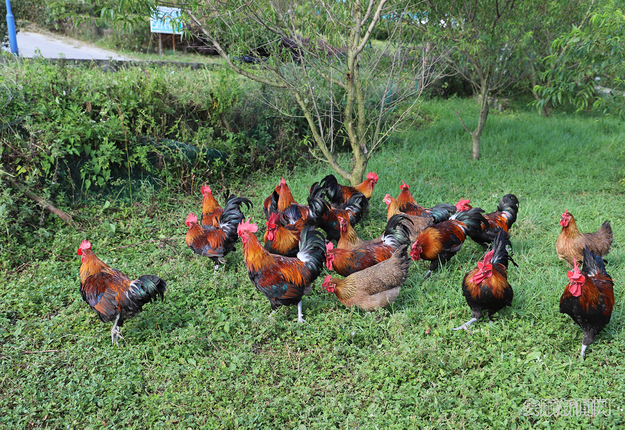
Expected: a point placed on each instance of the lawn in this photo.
(208, 356)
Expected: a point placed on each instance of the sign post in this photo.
(165, 20)
(11, 29)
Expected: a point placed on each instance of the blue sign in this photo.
(166, 20)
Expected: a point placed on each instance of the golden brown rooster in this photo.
(345, 262)
(216, 242)
(283, 239)
(375, 287)
(417, 224)
(407, 204)
(283, 280)
(211, 211)
(111, 294)
(571, 241)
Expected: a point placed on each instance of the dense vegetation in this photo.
(69, 133)
(208, 356)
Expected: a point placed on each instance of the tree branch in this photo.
(40, 201)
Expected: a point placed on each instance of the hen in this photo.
(589, 297)
(571, 241)
(111, 294)
(283, 280)
(338, 195)
(374, 287)
(486, 287)
(211, 211)
(407, 204)
(442, 241)
(345, 262)
(216, 242)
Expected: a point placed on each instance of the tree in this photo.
(586, 66)
(491, 43)
(349, 87)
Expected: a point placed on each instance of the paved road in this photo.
(53, 46)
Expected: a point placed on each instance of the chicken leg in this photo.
(466, 324)
(116, 332)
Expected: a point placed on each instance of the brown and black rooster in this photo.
(440, 242)
(111, 294)
(216, 242)
(486, 287)
(283, 280)
(589, 297)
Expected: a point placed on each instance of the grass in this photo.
(209, 356)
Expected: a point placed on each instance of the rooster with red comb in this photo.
(486, 287)
(589, 297)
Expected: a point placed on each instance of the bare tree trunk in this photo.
(476, 134)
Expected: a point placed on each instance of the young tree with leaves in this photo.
(350, 87)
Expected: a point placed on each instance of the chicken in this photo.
(279, 200)
(216, 242)
(283, 280)
(407, 204)
(502, 218)
(283, 239)
(267, 209)
(374, 287)
(442, 241)
(418, 223)
(211, 211)
(111, 294)
(571, 241)
(338, 195)
(345, 262)
(322, 215)
(486, 287)
(589, 297)
(349, 238)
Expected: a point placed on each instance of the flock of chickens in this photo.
(300, 239)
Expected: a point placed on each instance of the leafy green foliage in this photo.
(586, 65)
(68, 132)
(209, 356)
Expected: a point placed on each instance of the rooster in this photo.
(211, 211)
(418, 223)
(345, 262)
(283, 280)
(216, 242)
(502, 218)
(322, 215)
(338, 195)
(589, 298)
(486, 287)
(270, 205)
(111, 294)
(374, 287)
(407, 204)
(283, 239)
(571, 241)
(442, 241)
(279, 200)
(349, 238)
